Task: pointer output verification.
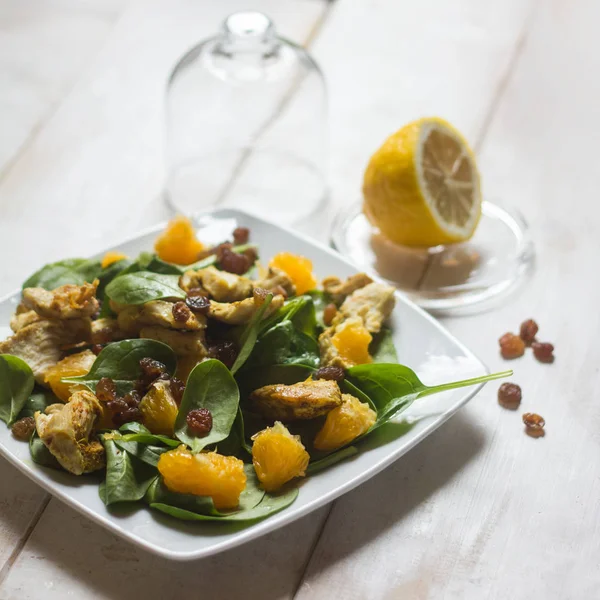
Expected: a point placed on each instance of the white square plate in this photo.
(421, 342)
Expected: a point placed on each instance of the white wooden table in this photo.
(478, 510)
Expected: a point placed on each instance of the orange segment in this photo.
(298, 269)
(111, 257)
(159, 409)
(178, 244)
(345, 423)
(204, 474)
(278, 456)
(70, 366)
(351, 340)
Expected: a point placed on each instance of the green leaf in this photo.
(300, 311)
(248, 337)
(121, 362)
(142, 287)
(76, 271)
(39, 399)
(40, 453)
(210, 385)
(147, 453)
(331, 459)
(393, 388)
(150, 438)
(127, 478)
(382, 347)
(111, 272)
(133, 427)
(16, 385)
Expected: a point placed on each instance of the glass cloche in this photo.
(247, 125)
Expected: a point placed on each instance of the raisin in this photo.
(332, 373)
(132, 399)
(127, 416)
(106, 390)
(199, 304)
(199, 421)
(509, 395)
(177, 389)
(181, 312)
(534, 424)
(151, 371)
(241, 235)
(528, 330)
(97, 348)
(511, 346)
(23, 428)
(230, 261)
(329, 313)
(251, 254)
(224, 351)
(543, 351)
(117, 405)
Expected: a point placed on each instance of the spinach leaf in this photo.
(382, 347)
(147, 453)
(248, 337)
(284, 344)
(249, 498)
(300, 311)
(72, 270)
(127, 478)
(109, 273)
(133, 427)
(16, 384)
(210, 385)
(150, 438)
(331, 459)
(143, 286)
(38, 400)
(393, 388)
(121, 362)
(147, 261)
(40, 454)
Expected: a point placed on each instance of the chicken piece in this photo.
(373, 303)
(65, 302)
(304, 400)
(156, 313)
(192, 281)
(23, 317)
(276, 278)
(339, 289)
(41, 344)
(238, 313)
(106, 330)
(66, 431)
(225, 287)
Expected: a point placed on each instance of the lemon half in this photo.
(421, 188)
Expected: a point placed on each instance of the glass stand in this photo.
(443, 279)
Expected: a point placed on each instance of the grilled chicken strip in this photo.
(65, 430)
(275, 279)
(304, 400)
(157, 313)
(65, 302)
(238, 313)
(41, 344)
(340, 290)
(373, 303)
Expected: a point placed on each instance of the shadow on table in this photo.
(88, 560)
(386, 500)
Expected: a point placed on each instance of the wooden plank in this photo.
(44, 45)
(100, 152)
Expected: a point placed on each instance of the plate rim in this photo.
(283, 517)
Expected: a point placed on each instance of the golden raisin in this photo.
(534, 424)
(23, 428)
(543, 351)
(511, 346)
(528, 331)
(509, 395)
(329, 313)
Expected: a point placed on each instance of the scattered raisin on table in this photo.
(332, 373)
(199, 421)
(329, 313)
(543, 351)
(509, 395)
(106, 390)
(224, 351)
(511, 346)
(534, 424)
(199, 304)
(528, 331)
(181, 312)
(177, 389)
(241, 235)
(23, 428)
